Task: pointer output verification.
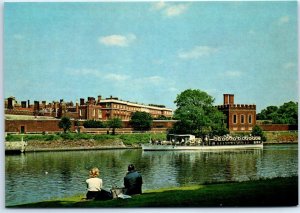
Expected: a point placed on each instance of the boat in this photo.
(190, 142)
(16, 147)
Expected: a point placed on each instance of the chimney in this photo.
(36, 105)
(81, 101)
(28, 103)
(226, 99)
(23, 104)
(10, 103)
(231, 99)
(99, 98)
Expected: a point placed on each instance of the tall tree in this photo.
(285, 114)
(141, 121)
(114, 123)
(65, 124)
(197, 115)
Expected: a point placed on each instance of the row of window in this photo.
(131, 108)
(242, 119)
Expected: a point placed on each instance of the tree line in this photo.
(284, 114)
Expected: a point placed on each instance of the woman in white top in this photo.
(94, 184)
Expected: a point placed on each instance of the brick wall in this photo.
(34, 126)
(278, 127)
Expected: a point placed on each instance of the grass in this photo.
(258, 193)
(128, 139)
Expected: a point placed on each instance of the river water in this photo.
(40, 176)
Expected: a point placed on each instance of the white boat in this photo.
(190, 142)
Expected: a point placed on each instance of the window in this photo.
(234, 119)
(242, 119)
(80, 112)
(99, 113)
(250, 119)
(94, 112)
(22, 129)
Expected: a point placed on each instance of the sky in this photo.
(149, 52)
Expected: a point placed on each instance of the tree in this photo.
(141, 121)
(268, 113)
(65, 124)
(197, 115)
(114, 123)
(257, 131)
(285, 114)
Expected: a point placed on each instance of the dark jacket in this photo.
(133, 183)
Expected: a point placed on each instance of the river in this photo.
(40, 176)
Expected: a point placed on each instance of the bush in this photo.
(257, 131)
(93, 124)
(51, 137)
(67, 136)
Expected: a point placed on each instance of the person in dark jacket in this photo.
(133, 181)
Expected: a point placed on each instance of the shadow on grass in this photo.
(261, 193)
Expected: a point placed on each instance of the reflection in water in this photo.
(35, 177)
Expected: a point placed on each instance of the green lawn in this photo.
(270, 192)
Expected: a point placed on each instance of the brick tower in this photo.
(240, 117)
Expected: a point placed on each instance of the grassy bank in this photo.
(276, 137)
(270, 192)
(127, 139)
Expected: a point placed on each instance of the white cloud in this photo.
(284, 20)
(233, 73)
(84, 71)
(170, 10)
(197, 52)
(98, 74)
(172, 89)
(159, 5)
(116, 77)
(117, 40)
(154, 79)
(175, 10)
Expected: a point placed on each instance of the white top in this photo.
(94, 184)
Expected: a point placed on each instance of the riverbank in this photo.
(83, 141)
(255, 193)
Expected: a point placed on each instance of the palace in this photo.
(92, 109)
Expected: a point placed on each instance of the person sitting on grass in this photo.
(133, 181)
(94, 187)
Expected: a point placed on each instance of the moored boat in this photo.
(190, 142)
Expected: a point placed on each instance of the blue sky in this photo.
(151, 51)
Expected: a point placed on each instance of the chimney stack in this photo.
(228, 99)
(81, 101)
(99, 98)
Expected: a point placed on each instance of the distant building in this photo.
(92, 109)
(240, 117)
(113, 107)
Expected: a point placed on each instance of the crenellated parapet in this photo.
(237, 106)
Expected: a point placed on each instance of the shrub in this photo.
(93, 124)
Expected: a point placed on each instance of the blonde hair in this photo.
(94, 172)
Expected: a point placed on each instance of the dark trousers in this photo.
(99, 195)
